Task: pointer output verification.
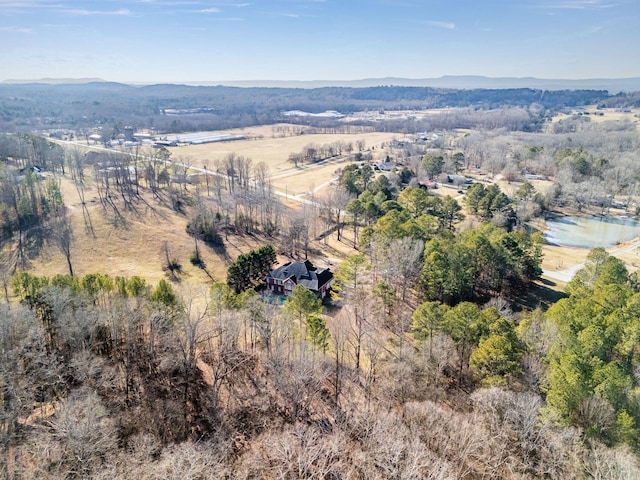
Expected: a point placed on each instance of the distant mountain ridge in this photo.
(465, 82)
(56, 81)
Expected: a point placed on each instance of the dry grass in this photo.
(135, 246)
(605, 115)
(275, 151)
(133, 243)
(560, 258)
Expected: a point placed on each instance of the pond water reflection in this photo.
(591, 232)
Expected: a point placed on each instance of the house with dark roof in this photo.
(284, 279)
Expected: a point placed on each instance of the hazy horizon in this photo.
(192, 41)
(311, 81)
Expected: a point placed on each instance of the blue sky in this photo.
(155, 41)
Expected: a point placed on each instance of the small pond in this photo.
(591, 232)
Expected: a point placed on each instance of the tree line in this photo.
(31, 106)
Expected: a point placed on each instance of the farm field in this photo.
(600, 115)
(135, 246)
(262, 146)
(130, 245)
(266, 144)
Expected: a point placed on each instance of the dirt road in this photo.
(566, 274)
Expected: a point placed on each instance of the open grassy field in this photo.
(604, 115)
(265, 144)
(274, 151)
(134, 245)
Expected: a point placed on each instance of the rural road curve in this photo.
(566, 274)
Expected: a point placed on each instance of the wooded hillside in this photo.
(441, 353)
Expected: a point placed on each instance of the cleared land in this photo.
(604, 115)
(133, 244)
(265, 145)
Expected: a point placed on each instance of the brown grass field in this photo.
(263, 146)
(135, 246)
(605, 115)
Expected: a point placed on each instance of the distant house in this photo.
(428, 184)
(459, 179)
(284, 279)
(531, 176)
(384, 166)
(164, 143)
